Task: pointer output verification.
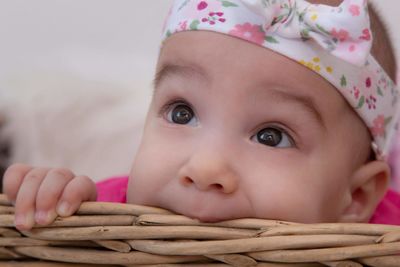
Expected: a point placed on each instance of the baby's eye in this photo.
(181, 113)
(274, 137)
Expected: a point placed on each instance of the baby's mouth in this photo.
(202, 216)
(207, 208)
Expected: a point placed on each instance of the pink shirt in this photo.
(388, 211)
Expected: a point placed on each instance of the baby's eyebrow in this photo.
(187, 70)
(306, 101)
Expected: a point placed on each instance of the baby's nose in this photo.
(224, 185)
(209, 173)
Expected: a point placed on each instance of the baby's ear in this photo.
(368, 186)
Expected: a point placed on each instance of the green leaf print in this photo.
(267, 3)
(271, 39)
(305, 33)
(361, 102)
(388, 120)
(322, 29)
(183, 4)
(228, 4)
(169, 33)
(301, 15)
(379, 90)
(343, 81)
(194, 24)
(277, 19)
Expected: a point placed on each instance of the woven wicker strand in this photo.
(113, 234)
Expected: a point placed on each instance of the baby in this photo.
(271, 109)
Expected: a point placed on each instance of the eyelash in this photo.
(279, 127)
(174, 102)
(179, 101)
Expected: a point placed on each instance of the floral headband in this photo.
(335, 42)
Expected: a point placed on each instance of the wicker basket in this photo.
(111, 234)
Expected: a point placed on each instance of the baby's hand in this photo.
(41, 194)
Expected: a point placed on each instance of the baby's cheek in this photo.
(152, 169)
(295, 198)
(304, 209)
(143, 180)
(333, 190)
(295, 206)
(325, 202)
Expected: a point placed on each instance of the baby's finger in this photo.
(80, 189)
(13, 178)
(26, 198)
(49, 193)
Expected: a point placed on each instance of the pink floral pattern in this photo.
(334, 42)
(341, 35)
(214, 17)
(202, 5)
(354, 10)
(379, 126)
(250, 32)
(183, 25)
(366, 35)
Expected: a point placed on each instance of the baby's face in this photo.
(236, 130)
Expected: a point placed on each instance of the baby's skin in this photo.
(42, 194)
(234, 130)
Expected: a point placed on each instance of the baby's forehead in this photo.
(187, 55)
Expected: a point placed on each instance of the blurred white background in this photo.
(75, 78)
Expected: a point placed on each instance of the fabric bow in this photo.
(344, 30)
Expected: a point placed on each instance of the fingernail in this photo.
(63, 209)
(41, 217)
(19, 220)
(25, 221)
